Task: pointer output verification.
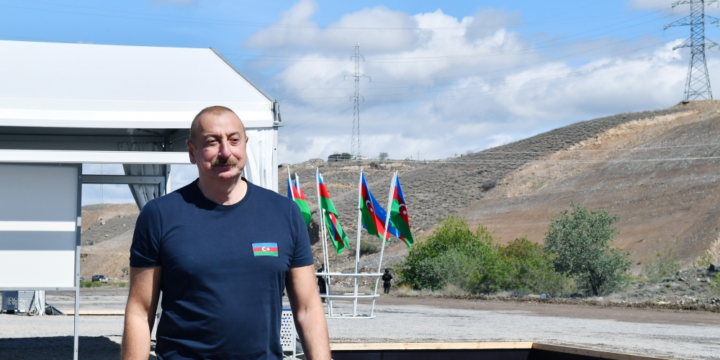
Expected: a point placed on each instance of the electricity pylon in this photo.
(355, 144)
(697, 85)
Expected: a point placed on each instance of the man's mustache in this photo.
(224, 161)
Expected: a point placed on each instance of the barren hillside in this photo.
(658, 174)
(462, 185)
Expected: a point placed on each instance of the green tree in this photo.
(383, 156)
(453, 254)
(579, 242)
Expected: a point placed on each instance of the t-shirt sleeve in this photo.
(144, 251)
(302, 254)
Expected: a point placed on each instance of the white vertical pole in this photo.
(292, 193)
(326, 259)
(382, 247)
(357, 245)
(76, 316)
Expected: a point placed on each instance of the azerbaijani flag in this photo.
(373, 215)
(295, 192)
(265, 249)
(399, 215)
(336, 232)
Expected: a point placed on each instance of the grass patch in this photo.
(94, 284)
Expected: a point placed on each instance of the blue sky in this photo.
(447, 77)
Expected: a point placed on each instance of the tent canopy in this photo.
(85, 103)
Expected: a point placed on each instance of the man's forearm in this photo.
(136, 337)
(313, 332)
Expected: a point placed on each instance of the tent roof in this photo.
(120, 87)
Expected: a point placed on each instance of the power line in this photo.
(356, 143)
(697, 85)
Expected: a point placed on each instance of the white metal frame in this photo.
(76, 286)
(355, 295)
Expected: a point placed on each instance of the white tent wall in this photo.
(261, 165)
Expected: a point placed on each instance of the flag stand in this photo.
(355, 295)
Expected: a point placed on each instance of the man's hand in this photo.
(308, 312)
(140, 312)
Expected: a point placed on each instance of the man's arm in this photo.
(308, 312)
(140, 312)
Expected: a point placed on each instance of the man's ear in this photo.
(191, 151)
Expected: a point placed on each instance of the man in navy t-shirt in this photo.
(221, 250)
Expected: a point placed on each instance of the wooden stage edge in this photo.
(489, 346)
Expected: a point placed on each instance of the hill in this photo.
(658, 174)
(477, 184)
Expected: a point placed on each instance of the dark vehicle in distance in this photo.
(100, 278)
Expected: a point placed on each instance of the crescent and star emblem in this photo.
(265, 248)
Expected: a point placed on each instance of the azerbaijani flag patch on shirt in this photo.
(265, 249)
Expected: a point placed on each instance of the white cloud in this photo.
(447, 85)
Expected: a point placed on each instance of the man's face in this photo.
(219, 146)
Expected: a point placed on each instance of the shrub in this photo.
(665, 265)
(531, 270)
(453, 254)
(368, 247)
(383, 156)
(715, 285)
(579, 241)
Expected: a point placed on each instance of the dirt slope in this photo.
(106, 237)
(437, 189)
(653, 173)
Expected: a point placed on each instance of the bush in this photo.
(662, 267)
(531, 270)
(715, 285)
(367, 248)
(578, 242)
(453, 254)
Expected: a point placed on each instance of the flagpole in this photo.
(382, 247)
(292, 193)
(357, 244)
(326, 257)
(326, 251)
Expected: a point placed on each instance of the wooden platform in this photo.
(474, 351)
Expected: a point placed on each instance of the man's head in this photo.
(217, 143)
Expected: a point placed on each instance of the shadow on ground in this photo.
(60, 347)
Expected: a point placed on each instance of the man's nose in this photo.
(224, 150)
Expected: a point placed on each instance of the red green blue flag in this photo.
(335, 230)
(265, 249)
(296, 193)
(399, 215)
(373, 215)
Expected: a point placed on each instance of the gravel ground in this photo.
(667, 334)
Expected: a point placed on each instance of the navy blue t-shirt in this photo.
(223, 271)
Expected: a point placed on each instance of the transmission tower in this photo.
(355, 144)
(697, 85)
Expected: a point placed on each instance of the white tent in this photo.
(70, 104)
(85, 103)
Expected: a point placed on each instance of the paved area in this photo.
(667, 334)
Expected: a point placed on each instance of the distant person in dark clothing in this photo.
(321, 282)
(386, 278)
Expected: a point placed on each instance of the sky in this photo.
(443, 77)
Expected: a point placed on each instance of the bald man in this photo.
(221, 250)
